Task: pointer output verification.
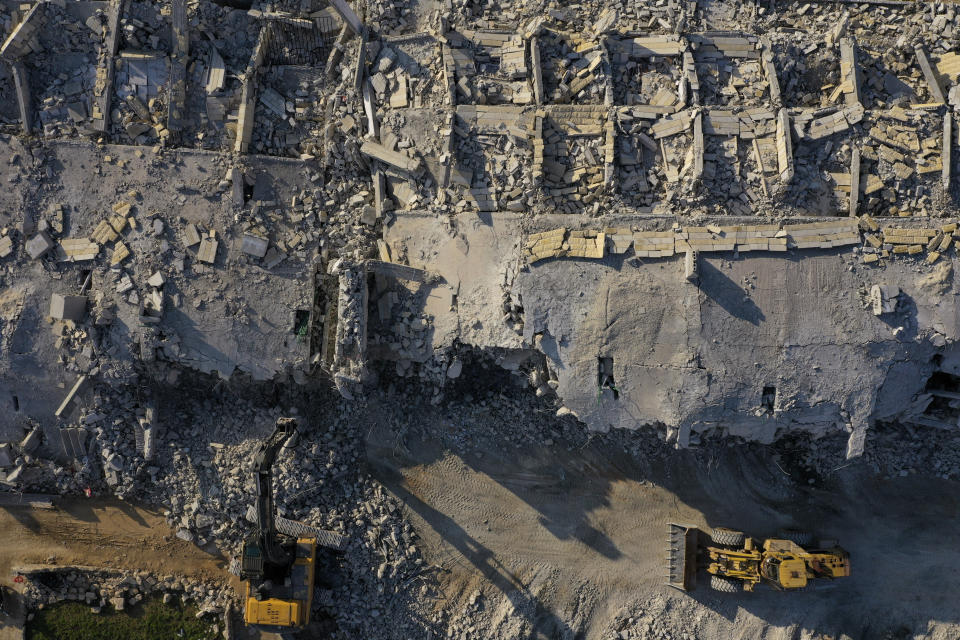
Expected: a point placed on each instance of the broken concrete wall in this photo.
(759, 346)
(21, 80)
(106, 69)
(248, 96)
(350, 353)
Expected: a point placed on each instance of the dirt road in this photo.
(99, 532)
(562, 543)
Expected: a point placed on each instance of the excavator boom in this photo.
(263, 550)
(279, 570)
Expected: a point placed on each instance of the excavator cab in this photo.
(252, 560)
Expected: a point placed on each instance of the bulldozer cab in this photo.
(834, 563)
(785, 572)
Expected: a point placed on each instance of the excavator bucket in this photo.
(683, 541)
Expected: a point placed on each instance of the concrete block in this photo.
(39, 245)
(691, 266)
(31, 442)
(208, 250)
(254, 245)
(883, 298)
(191, 236)
(63, 307)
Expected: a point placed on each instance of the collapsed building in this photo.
(667, 222)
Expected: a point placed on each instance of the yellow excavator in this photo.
(278, 569)
(734, 560)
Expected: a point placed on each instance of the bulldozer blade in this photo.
(682, 560)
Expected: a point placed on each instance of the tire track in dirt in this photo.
(102, 533)
(571, 539)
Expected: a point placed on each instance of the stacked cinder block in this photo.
(654, 244)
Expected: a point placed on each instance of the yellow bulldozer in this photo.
(734, 560)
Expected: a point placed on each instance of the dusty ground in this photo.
(570, 543)
(553, 533)
(99, 532)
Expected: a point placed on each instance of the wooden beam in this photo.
(389, 156)
(361, 67)
(698, 147)
(784, 147)
(179, 59)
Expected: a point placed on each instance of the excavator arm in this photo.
(263, 550)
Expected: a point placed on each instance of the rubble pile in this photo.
(406, 73)
(653, 80)
(727, 82)
(731, 175)
(574, 175)
(63, 72)
(491, 67)
(9, 115)
(890, 80)
(892, 451)
(199, 473)
(288, 115)
(400, 328)
(574, 69)
(804, 69)
(141, 88)
(498, 165)
(404, 131)
(145, 27)
(642, 174)
(341, 151)
(233, 33)
(244, 165)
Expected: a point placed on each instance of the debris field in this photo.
(533, 279)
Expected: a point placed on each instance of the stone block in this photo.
(64, 307)
(254, 245)
(208, 250)
(39, 245)
(191, 236)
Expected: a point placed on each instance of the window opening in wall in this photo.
(769, 398)
(943, 401)
(605, 379)
(301, 323)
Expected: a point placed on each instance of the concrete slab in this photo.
(696, 358)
